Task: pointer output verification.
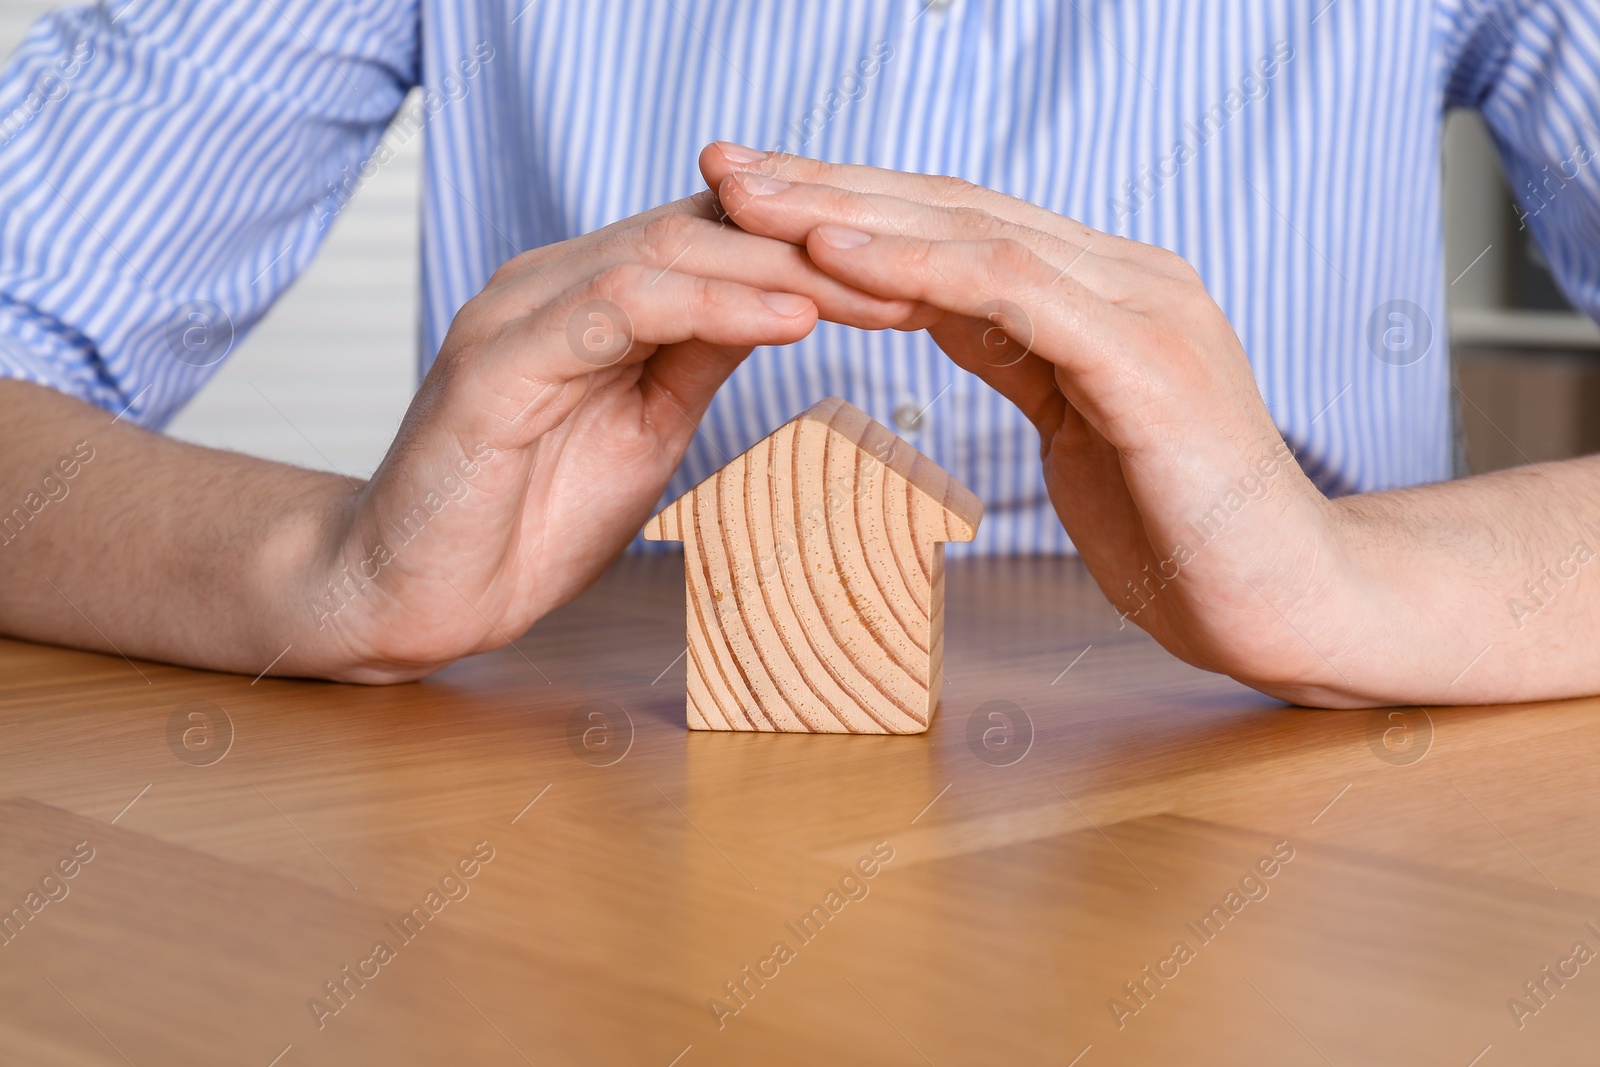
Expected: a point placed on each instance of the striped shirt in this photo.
(168, 167)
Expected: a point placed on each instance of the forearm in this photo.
(118, 539)
(1483, 590)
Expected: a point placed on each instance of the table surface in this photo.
(1065, 839)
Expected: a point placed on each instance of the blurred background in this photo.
(324, 380)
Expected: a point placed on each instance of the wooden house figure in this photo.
(815, 571)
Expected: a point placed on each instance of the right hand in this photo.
(1153, 432)
(562, 400)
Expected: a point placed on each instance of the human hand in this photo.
(563, 399)
(1159, 453)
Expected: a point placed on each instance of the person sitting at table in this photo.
(1192, 254)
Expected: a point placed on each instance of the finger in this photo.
(1050, 314)
(1066, 323)
(1088, 481)
(1033, 384)
(721, 159)
(789, 211)
(718, 249)
(618, 317)
(981, 347)
(679, 381)
(527, 376)
(690, 237)
(1084, 470)
(702, 205)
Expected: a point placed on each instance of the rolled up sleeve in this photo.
(167, 169)
(1532, 67)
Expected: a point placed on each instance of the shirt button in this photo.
(908, 417)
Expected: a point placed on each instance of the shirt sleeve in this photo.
(167, 169)
(1532, 67)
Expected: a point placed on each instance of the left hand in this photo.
(1159, 453)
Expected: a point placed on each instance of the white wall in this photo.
(1478, 250)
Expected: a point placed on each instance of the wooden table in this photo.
(251, 841)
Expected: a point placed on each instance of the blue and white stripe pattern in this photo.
(158, 153)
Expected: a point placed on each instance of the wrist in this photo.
(312, 585)
(1342, 619)
(403, 576)
(1371, 617)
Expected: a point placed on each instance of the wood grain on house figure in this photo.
(815, 568)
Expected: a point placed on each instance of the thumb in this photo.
(679, 381)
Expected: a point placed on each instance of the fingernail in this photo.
(842, 236)
(738, 153)
(756, 185)
(787, 304)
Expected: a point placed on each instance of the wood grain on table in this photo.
(1082, 806)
